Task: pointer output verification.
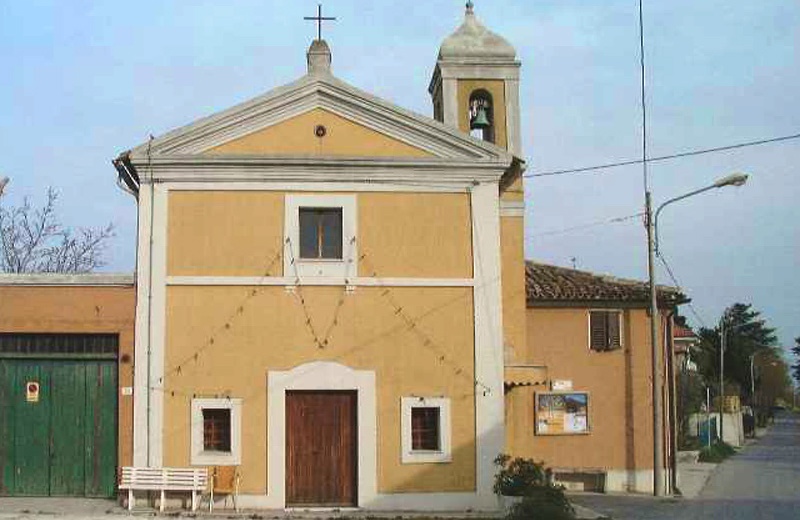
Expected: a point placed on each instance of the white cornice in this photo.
(512, 208)
(327, 92)
(194, 168)
(291, 281)
(53, 279)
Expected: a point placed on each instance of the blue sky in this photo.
(83, 81)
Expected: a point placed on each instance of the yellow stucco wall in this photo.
(296, 136)
(618, 382)
(204, 227)
(419, 235)
(86, 310)
(496, 88)
(512, 238)
(399, 234)
(269, 332)
(514, 191)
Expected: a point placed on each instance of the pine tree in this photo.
(747, 333)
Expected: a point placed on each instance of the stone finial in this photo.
(319, 57)
(470, 7)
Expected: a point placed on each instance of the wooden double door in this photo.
(58, 427)
(321, 448)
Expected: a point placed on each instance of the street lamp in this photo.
(752, 372)
(736, 179)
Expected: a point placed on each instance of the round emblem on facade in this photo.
(320, 131)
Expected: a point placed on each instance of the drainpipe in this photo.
(129, 182)
(127, 177)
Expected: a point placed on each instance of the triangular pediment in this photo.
(282, 122)
(318, 132)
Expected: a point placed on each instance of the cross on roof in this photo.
(319, 19)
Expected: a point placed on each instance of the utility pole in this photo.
(658, 418)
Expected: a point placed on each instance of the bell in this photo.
(480, 121)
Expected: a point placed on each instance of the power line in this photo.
(679, 155)
(588, 225)
(674, 279)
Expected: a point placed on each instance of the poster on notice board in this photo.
(561, 413)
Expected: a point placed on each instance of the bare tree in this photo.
(34, 241)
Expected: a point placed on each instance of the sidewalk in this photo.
(37, 508)
(69, 508)
(692, 474)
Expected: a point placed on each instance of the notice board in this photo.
(561, 413)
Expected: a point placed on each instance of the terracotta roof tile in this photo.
(552, 283)
(683, 332)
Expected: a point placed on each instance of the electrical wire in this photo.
(678, 155)
(674, 279)
(605, 222)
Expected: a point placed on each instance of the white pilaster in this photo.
(158, 324)
(450, 101)
(513, 116)
(487, 300)
(141, 402)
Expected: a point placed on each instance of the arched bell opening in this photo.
(481, 115)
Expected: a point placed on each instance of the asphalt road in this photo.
(760, 482)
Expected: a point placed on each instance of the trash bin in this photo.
(705, 432)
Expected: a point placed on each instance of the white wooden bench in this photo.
(163, 480)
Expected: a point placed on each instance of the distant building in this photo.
(685, 342)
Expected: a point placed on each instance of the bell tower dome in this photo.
(475, 84)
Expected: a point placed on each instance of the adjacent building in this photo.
(66, 383)
(585, 407)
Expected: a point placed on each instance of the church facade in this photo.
(332, 297)
(324, 284)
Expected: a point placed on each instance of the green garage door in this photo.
(58, 414)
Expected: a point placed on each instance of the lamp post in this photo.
(752, 373)
(723, 339)
(651, 221)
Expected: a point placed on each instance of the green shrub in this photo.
(545, 503)
(525, 478)
(689, 443)
(517, 477)
(717, 452)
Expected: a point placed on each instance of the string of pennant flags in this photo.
(406, 320)
(227, 324)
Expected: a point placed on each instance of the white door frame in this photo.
(321, 375)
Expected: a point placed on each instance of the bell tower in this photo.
(475, 84)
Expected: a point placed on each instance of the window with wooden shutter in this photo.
(425, 428)
(217, 429)
(604, 330)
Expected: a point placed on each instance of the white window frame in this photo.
(444, 453)
(343, 268)
(620, 315)
(201, 457)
